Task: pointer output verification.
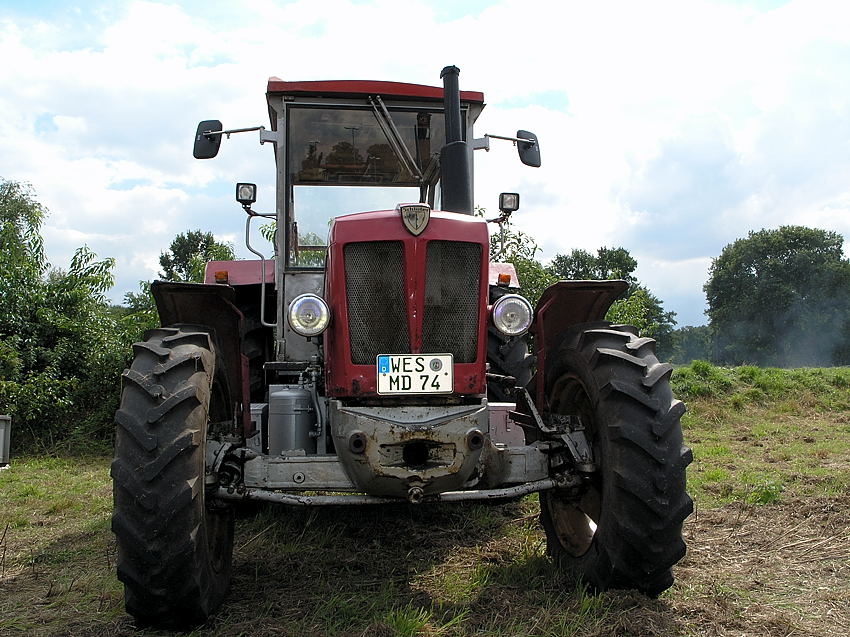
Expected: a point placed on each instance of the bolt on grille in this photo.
(374, 285)
(453, 277)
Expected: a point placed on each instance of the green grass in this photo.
(759, 433)
(763, 441)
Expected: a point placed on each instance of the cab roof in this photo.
(356, 88)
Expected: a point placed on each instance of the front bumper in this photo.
(396, 451)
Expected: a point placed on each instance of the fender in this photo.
(562, 305)
(212, 306)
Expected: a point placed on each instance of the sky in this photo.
(668, 127)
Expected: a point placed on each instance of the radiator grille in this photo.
(453, 277)
(374, 284)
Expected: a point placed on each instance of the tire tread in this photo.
(639, 537)
(159, 518)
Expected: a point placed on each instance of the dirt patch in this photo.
(780, 569)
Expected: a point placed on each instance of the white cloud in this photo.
(677, 125)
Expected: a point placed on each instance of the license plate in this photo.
(415, 374)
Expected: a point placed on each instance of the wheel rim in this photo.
(217, 523)
(576, 519)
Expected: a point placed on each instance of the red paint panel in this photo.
(240, 272)
(345, 379)
(356, 88)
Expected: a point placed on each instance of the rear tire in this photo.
(174, 547)
(624, 530)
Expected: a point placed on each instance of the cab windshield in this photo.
(354, 159)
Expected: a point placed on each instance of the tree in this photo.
(691, 343)
(139, 310)
(638, 306)
(609, 263)
(781, 297)
(22, 261)
(62, 348)
(189, 253)
(643, 309)
(185, 260)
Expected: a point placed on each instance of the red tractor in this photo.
(381, 357)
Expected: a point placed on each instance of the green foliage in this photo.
(765, 491)
(62, 347)
(269, 231)
(821, 388)
(22, 261)
(609, 263)
(188, 254)
(634, 310)
(516, 247)
(140, 312)
(781, 297)
(702, 379)
(690, 343)
(408, 620)
(638, 306)
(313, 256)
(644, 310)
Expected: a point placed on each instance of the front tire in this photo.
(507, 356)
(623, 529)
(174, 547)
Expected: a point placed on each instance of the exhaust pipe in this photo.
(455, 169)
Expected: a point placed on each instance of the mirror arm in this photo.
(481, 142)
(265, 135)
(210, 133)
(484, 142)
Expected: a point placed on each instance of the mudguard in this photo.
(562, 305)
(211, 306)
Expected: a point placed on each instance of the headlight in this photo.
(308, 315)
(512, 315)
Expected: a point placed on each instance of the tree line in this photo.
(778, 297)
(63, 346)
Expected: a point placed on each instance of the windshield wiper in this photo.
(385, 121)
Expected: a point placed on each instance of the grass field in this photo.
(769, 543)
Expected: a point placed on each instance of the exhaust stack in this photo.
(455, 166)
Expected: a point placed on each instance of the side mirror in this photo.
(529, 152)
(206, 145)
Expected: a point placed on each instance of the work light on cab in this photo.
(509, 202)
(512, 315)
(246, 194)
(308, 315)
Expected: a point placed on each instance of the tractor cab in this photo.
(354, 146)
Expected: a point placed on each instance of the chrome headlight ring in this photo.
(308, 315)
(512, 314)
